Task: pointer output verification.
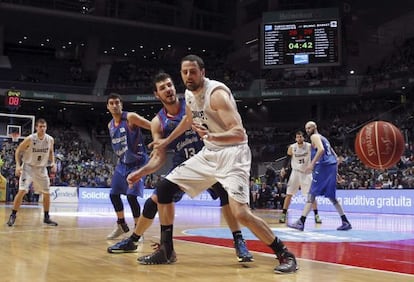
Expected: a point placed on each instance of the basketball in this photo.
(379, 145)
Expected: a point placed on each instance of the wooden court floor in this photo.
(76, 250)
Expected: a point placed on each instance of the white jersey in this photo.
(300, 156)
(203, 114)
(37, 154)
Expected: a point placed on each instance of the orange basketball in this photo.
(379, 145)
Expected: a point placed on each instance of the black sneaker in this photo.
(345, 226)
(124, 246)
(287, 263)
(297, 225)
(243, 254)
(49, 222)
(159, 256)
(12, 219)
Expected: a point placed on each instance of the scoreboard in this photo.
(12, 99)
(300, 43)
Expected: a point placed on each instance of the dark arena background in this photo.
(340, 63)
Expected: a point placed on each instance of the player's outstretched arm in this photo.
(158, 156)
(138, 120)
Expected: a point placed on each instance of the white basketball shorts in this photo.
(228, 165)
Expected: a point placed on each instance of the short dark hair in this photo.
(40, 120)
(113, 96)
(194, 58)
(161, 76)
(299, 132)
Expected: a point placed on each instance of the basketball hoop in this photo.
(14, 136)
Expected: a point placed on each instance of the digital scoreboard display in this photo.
(12, 99)
(302, 43)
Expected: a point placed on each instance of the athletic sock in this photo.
(277, 246)
(166, 238)
(237, 235)
(134, 237)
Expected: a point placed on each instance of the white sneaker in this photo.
(120, 229)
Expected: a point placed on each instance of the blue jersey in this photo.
(328, 157)
(186, 145)
(127, 143)
(324, 172)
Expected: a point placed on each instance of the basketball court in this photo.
(378, 248)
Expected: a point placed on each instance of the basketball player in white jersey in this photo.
(212, 112)
(298, 154)
(33, 155)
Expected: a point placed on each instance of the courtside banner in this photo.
(390, 201)
(63, 194)
(94, 195)
(101, 195)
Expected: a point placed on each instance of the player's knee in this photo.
(117, 202)
(311, 198)
(135, 207)
(166, 191)
(150, 209)
(334, 201)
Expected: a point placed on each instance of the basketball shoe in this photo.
(282, 218)
(297, 225)
(124, 246)
(345, 226)
(159, 256)
(318, 219)
(12, 219)
(287, 264)
(120, 229)
(243, 254)
(49, 222)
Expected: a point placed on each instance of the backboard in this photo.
(16, 126)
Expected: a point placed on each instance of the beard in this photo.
(192, 86)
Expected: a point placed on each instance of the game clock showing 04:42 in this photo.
(310, 43)
(13, 99)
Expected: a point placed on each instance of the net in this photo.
(14, 136)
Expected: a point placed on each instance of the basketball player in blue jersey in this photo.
(324, 167)
(211, 111)
(128, 144)
(184, 147)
